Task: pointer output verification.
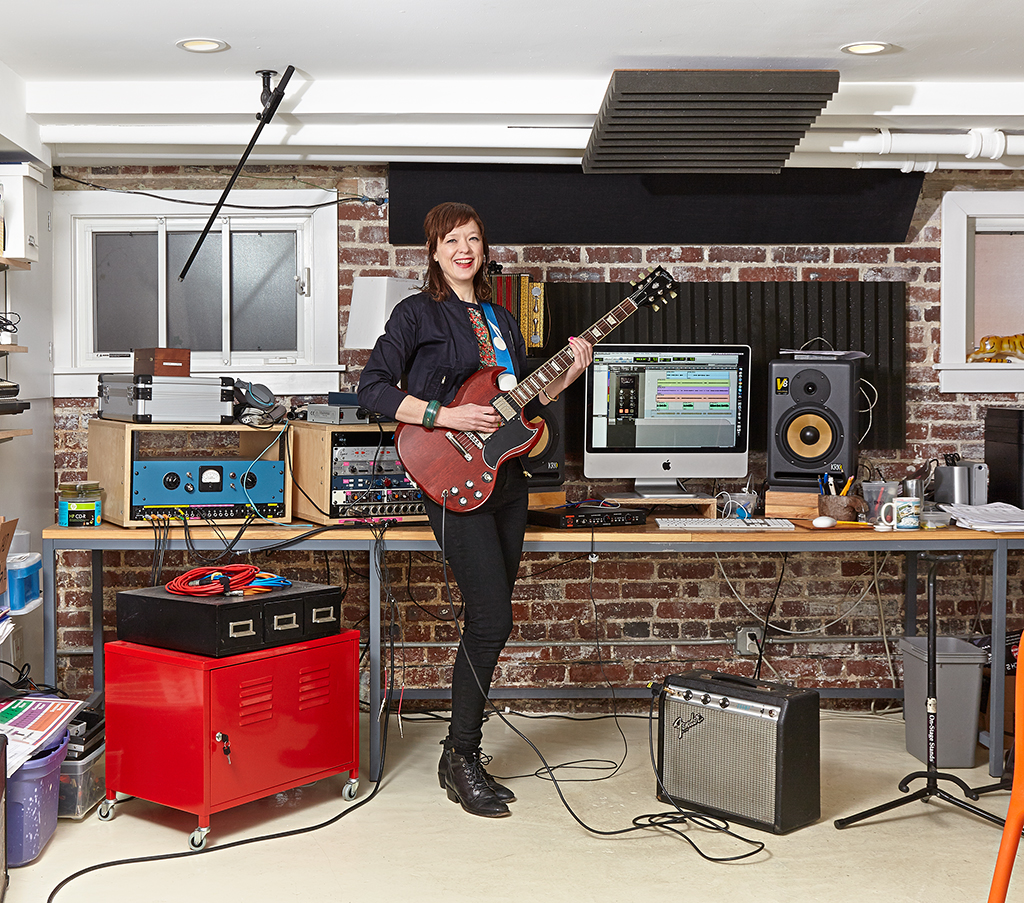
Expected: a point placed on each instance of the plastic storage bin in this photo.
(23, 576)
(82, 784)
(32, 804)
(958, 667)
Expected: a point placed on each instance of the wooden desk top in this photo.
(649, 533)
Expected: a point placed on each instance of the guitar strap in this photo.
(502, 355)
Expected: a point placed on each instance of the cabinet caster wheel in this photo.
(348, 792)
(197, 839)
(106, 810)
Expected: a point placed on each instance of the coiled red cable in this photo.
(205, 582)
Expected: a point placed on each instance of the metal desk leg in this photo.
(49, 614)
(910, 595)
(375, 602)
(97, 623)
(998, 684)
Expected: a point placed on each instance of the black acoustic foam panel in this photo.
(561, 205)
(705, 120)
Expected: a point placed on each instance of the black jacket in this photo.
(432, 347)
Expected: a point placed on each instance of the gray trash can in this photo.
(958, 667)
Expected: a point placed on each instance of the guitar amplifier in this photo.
(744, 750)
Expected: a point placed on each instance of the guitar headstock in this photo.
(657, 286)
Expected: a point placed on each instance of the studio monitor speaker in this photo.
(545, 464)
(744, 750)
(812, 421)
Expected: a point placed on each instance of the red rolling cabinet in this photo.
(205, 734)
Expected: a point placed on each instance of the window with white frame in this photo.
(260, 298)
(982, 239)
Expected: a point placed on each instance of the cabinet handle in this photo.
(324, 615)
(240, 628)
(285, 622)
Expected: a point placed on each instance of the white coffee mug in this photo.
(901, 514)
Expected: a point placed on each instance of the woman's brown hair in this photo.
(438, 223)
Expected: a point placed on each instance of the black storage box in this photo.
(745, 750)
(217, 626)
(1004, 455)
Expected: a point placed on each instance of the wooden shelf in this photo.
(13, 349)
(11, 264)
(10, 434)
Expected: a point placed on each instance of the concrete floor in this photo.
(409, 843)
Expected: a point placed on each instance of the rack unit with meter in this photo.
(348, 473)
(189, 473)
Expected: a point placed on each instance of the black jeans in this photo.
(483, 549)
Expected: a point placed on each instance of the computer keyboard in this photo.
(723, 524)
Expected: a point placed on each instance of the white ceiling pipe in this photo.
(916, 163)
(990, 144)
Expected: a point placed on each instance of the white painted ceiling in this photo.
(103, 82)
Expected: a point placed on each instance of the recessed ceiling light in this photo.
(202, 45)
(869, 48)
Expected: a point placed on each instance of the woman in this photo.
(435, 340)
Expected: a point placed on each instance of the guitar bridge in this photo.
(450, 436)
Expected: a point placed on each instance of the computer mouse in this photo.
(823, 521)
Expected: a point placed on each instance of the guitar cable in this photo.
(669, 821)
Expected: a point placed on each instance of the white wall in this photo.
(26, 462)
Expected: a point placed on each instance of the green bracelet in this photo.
(430, 414)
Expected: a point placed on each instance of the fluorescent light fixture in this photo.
(202, 45)
(869, 48)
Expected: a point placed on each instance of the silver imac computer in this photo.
(662, 414)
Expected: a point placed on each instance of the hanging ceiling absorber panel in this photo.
(696, 120)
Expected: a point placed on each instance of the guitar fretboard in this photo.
(543, 376)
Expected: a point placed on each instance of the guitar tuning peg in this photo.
(673, 294)
(656, 306)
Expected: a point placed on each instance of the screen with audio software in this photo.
(667, 411)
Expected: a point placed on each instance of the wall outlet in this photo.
(749, 640)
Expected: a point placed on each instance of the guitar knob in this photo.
(478, 494)
(469, 484)
(463, 500)
(455, 490)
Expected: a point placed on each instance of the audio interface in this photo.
(351, 473)
(585, 516)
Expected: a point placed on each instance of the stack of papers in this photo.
(32, 723)
(995, 517)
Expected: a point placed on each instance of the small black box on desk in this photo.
(217, 626)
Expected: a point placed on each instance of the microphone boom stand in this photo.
(271, 101)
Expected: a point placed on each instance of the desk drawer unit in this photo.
(227, 625)
(204, 734)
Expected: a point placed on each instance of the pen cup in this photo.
(841, 507)
(877, 494)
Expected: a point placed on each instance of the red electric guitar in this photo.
(456, 468)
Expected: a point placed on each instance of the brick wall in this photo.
(625, 619)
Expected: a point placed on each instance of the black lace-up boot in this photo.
(503, 793)
(465, 780)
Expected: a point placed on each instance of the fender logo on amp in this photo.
(683, 726)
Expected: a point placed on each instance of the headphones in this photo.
(255, 404)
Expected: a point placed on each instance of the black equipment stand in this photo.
(932, 775)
